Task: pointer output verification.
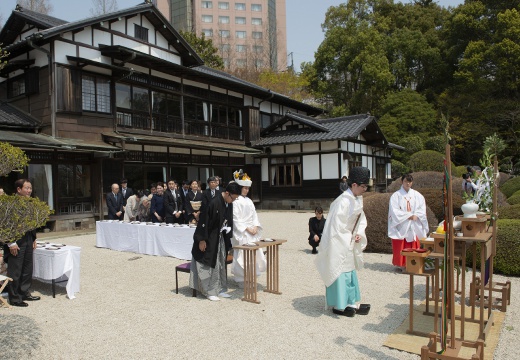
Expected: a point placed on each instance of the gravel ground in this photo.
(127, 309)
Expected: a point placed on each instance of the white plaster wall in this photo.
(133, 147)
(276, 109)
(162, 42)
(197, 84)
(200, 152)
(101, 37)
(217, 89)
(62, 49)
(329, 145)
(276, 150)
(344, 145)
(67, 35)
(292, 149)
(344, 168)
(235, 94)
(176, 59)
(329, 166)
(265, 107)
(40, 58)
(370, 165)
(248, 100)
(166, 76)
(351, 147)
(265, 170)
(151, 29)
(310, 147)
(129, 43)
(155, 148)
(174, 150)
(389, 171)
(131, 21)
(91, 54)
(118, 26)
(311, 167)
(84, 36)
(364, 149)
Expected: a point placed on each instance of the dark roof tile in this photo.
(13, 117)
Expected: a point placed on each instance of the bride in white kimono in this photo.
(246, 229)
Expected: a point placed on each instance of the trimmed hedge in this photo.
(514, 199)
(428, 160)
(509, 212)
(376, 210)
(510, 186)
(507, 260)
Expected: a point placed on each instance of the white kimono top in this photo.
(403, 205)
(339, 252)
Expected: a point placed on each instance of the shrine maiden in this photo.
(407, 221)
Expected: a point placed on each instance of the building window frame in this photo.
(240, 6)
(240, 20)
(207, 4)
(256, 7)
(223, 5)
(140, 32)
(239, 34)
(95, 94)
(285, 172)
(208, 19)
(223, 19)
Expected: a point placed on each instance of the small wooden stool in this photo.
(185, 268)
(6, 280)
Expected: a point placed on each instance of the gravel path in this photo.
(128, 309)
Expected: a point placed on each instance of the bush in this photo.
(376, 211)
(514, 199)
(502, 178)
(412, 144)
(435, 143)
(398, 169)
(507, 260)
(510, 186)
(509, 212)
(459, 171)
(435, 201)
(428, 160)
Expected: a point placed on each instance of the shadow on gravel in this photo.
(45, 288)
(19, 336)
(313, 306)
(381, 267)
(388, 324)
(373, 354)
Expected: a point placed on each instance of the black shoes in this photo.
(19, 304)
(31, 298)
(348, 312)
(364, 309)
(314, 251)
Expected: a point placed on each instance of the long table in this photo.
(58, 266)
(145, 239)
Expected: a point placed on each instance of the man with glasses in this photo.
(211, 243)
(341, 246)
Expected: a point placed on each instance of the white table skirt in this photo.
(58, 265)
(146, 239)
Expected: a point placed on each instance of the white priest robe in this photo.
(245, 216)
(339, 252)
(403, 205)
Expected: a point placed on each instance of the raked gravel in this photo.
(127, 309)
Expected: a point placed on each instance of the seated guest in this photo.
(157, 205)
(143, 214)
(132, 206)
(316, 225)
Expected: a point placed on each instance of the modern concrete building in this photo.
(248, 33)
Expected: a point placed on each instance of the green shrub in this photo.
(398, 169)
(428, 160)
(412, 144)
(507, 260)
(510, 186)
(514, 199)
(459, 171)
(376, 210)
(435, 201)
(509, 212)
(435, 143)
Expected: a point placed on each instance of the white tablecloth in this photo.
(146, 239)
(59, 265)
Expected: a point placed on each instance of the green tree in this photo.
(205, 49)
(406, 112)
(18, 214)
(287, 83)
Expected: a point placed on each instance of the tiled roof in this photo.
(12, 117)
(341, 128)
(45, 21)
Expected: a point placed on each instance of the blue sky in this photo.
(304, 19)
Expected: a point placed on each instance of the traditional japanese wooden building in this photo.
(124, 95)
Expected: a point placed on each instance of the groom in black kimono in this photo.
(211, 242)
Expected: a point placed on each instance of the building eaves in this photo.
(189, 55)
(12, 117)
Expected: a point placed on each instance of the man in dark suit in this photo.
(126, 192)
(211, 192)
(20, 258)
(173, 204)
(183, 191)
(115, 203)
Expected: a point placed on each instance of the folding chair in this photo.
(5, 280)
